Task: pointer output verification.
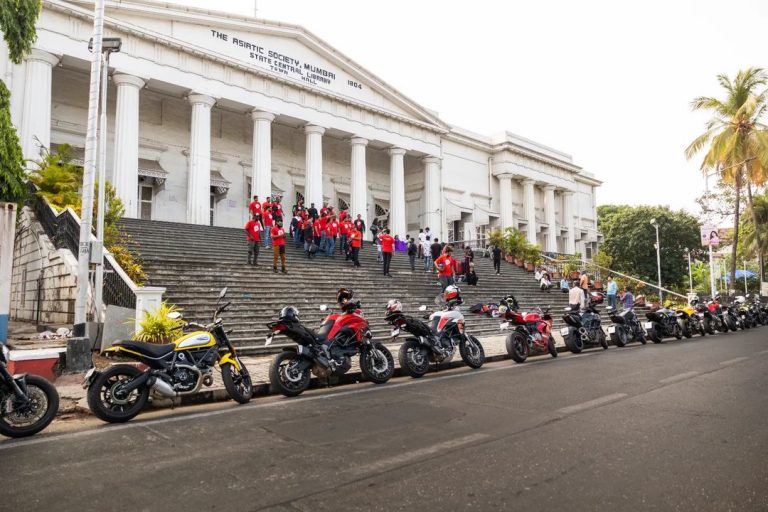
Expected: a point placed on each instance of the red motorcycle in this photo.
(328, 351)
(532, 331)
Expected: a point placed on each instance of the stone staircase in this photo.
(194, 262)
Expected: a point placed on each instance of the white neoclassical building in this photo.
(208, 108)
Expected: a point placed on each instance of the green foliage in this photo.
(156, 327)
(629, 242)
(17, 23)
(12, 176)
(496, 238)
(514, 242)
(748, 248)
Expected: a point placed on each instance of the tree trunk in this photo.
(737, 187)
(756, 227)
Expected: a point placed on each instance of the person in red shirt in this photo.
(278, 246)
(253, 235)
(356, 241)
(331, 230)
(255, 206)
(277, 208)
(324, 210)
(268, 221)
(387, 248)
(343, 215)
(445, 265)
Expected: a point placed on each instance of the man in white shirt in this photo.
(427, 234)
(576, 297)
(422, 238)
(426, 252)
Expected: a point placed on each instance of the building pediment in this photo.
(284, 52)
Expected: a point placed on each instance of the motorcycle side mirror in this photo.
(422, 308)
(174, 315)
(323, 307)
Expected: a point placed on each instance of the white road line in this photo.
(678, 377)
(732, 361)
(763, 352)
(592, 403)
(404, 458)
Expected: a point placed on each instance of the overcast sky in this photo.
(608, 82)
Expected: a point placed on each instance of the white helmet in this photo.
(394, 306)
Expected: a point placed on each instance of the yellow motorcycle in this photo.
(121, 391)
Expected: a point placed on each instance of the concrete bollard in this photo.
(79, 355)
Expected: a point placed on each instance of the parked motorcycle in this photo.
(743, 312)
(531, 331)
(695, 321)
(759, 311)
(661, 324)
(120, 392)
(584, 329)
(328, 351)
(718, 313)
(436, 342)
(28, 403)
(625, 328)
(706, 319)
(732, 318)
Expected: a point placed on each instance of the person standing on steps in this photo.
(611, 291)
(436, 249)
(445, 265)
(412, 250)
(496, 253)
(255, 206)
(278, 246)
(584, 282)
(309, 236)
(387, 248)
(360, 224)
(332, 229)
(312, 212)
(575, 297)
(268, 221)
(356, 241)
(253, 235)
(422, 237)
(375, 230)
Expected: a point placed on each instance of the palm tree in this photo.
(736, 141)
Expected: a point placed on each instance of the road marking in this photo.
(404, 458)
(763, 352)
(592, 403)
(678, 377)
(732, 361)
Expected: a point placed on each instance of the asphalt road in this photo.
(677, 426)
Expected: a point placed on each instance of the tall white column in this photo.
(506, 205)
(359, 183)
(313, 185)
(568, 211)
(199, 179)
(432, 194)
(549, 216)
(529, 205)
(36, 112)
(397, 192)
(262, 154)
(126, 169)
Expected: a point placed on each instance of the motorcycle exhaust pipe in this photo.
(136, 383)
(583, 333)
(163, 388)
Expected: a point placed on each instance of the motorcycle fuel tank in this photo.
(197, 339)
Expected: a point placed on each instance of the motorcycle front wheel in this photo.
(237, 382)
(109, 402)
(602, 339)
(551, 347)
(708, 328)
(677, 332)
(653, 333)
(517, 347)
(413, 358)
(472, 352)
(286, 377)
(20, 419)
(377, 363)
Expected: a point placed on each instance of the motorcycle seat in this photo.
(149, 349)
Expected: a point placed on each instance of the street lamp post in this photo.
(690, 274)
(658, 257)
(744, 263)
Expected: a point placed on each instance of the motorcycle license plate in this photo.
(564, 331)
(648, 325)
(269, 339)
(87, 379)
(611, 329)
(395, 332)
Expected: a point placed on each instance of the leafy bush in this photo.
(156, 327)
(11, 161)
(514, 242)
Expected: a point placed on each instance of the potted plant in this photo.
(513, 245)
(600, 261)
(532, 256)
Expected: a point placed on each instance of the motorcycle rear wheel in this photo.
(17, 420)
(472, 352)
(517, 347)
(112, 408)
(574, 342)
(377, 364)
(677, 332)
(654, 335)
(619, 338)
(237, 382)
(551, 348)
(708, 328)
(602, 339)
(284, 377)
(687, 332)
(413, 358)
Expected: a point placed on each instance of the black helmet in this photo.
(289, 313)
(344, 295)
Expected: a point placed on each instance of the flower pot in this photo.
(574, 274)
(519, 262)
(556, 275)
(509, 258)
(598, 285)
(530, 267)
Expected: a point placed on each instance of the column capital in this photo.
(549, 187)
(42, 56)
(395, 151)
(429, 159)
(505, 176)
(528, 181)
(567, 193)
(313, 128)
(261, 115)
(358, 141)
(204, 99)
(123, 79)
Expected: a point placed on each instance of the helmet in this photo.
(289, 313)
(502, 309)
(740, 299)
(717, 297)
(451, 293)
(394, 306)
(344, 295)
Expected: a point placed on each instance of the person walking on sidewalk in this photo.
(356, 241)
(278, 246)
(412, 250)
(611, 290)
(387, 248)
(253, 235)
(496, 253)
(445, 265)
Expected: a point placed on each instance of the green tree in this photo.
(736, 140)
(629, 241)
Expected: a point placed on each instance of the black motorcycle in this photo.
(28, 403)
(708, 321)
(662, 324)
(626, 327)
(759, 311)
(747, 320)
(584, 329)
(731, 315)
(719, 316)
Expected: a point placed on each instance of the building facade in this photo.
(207, 109)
